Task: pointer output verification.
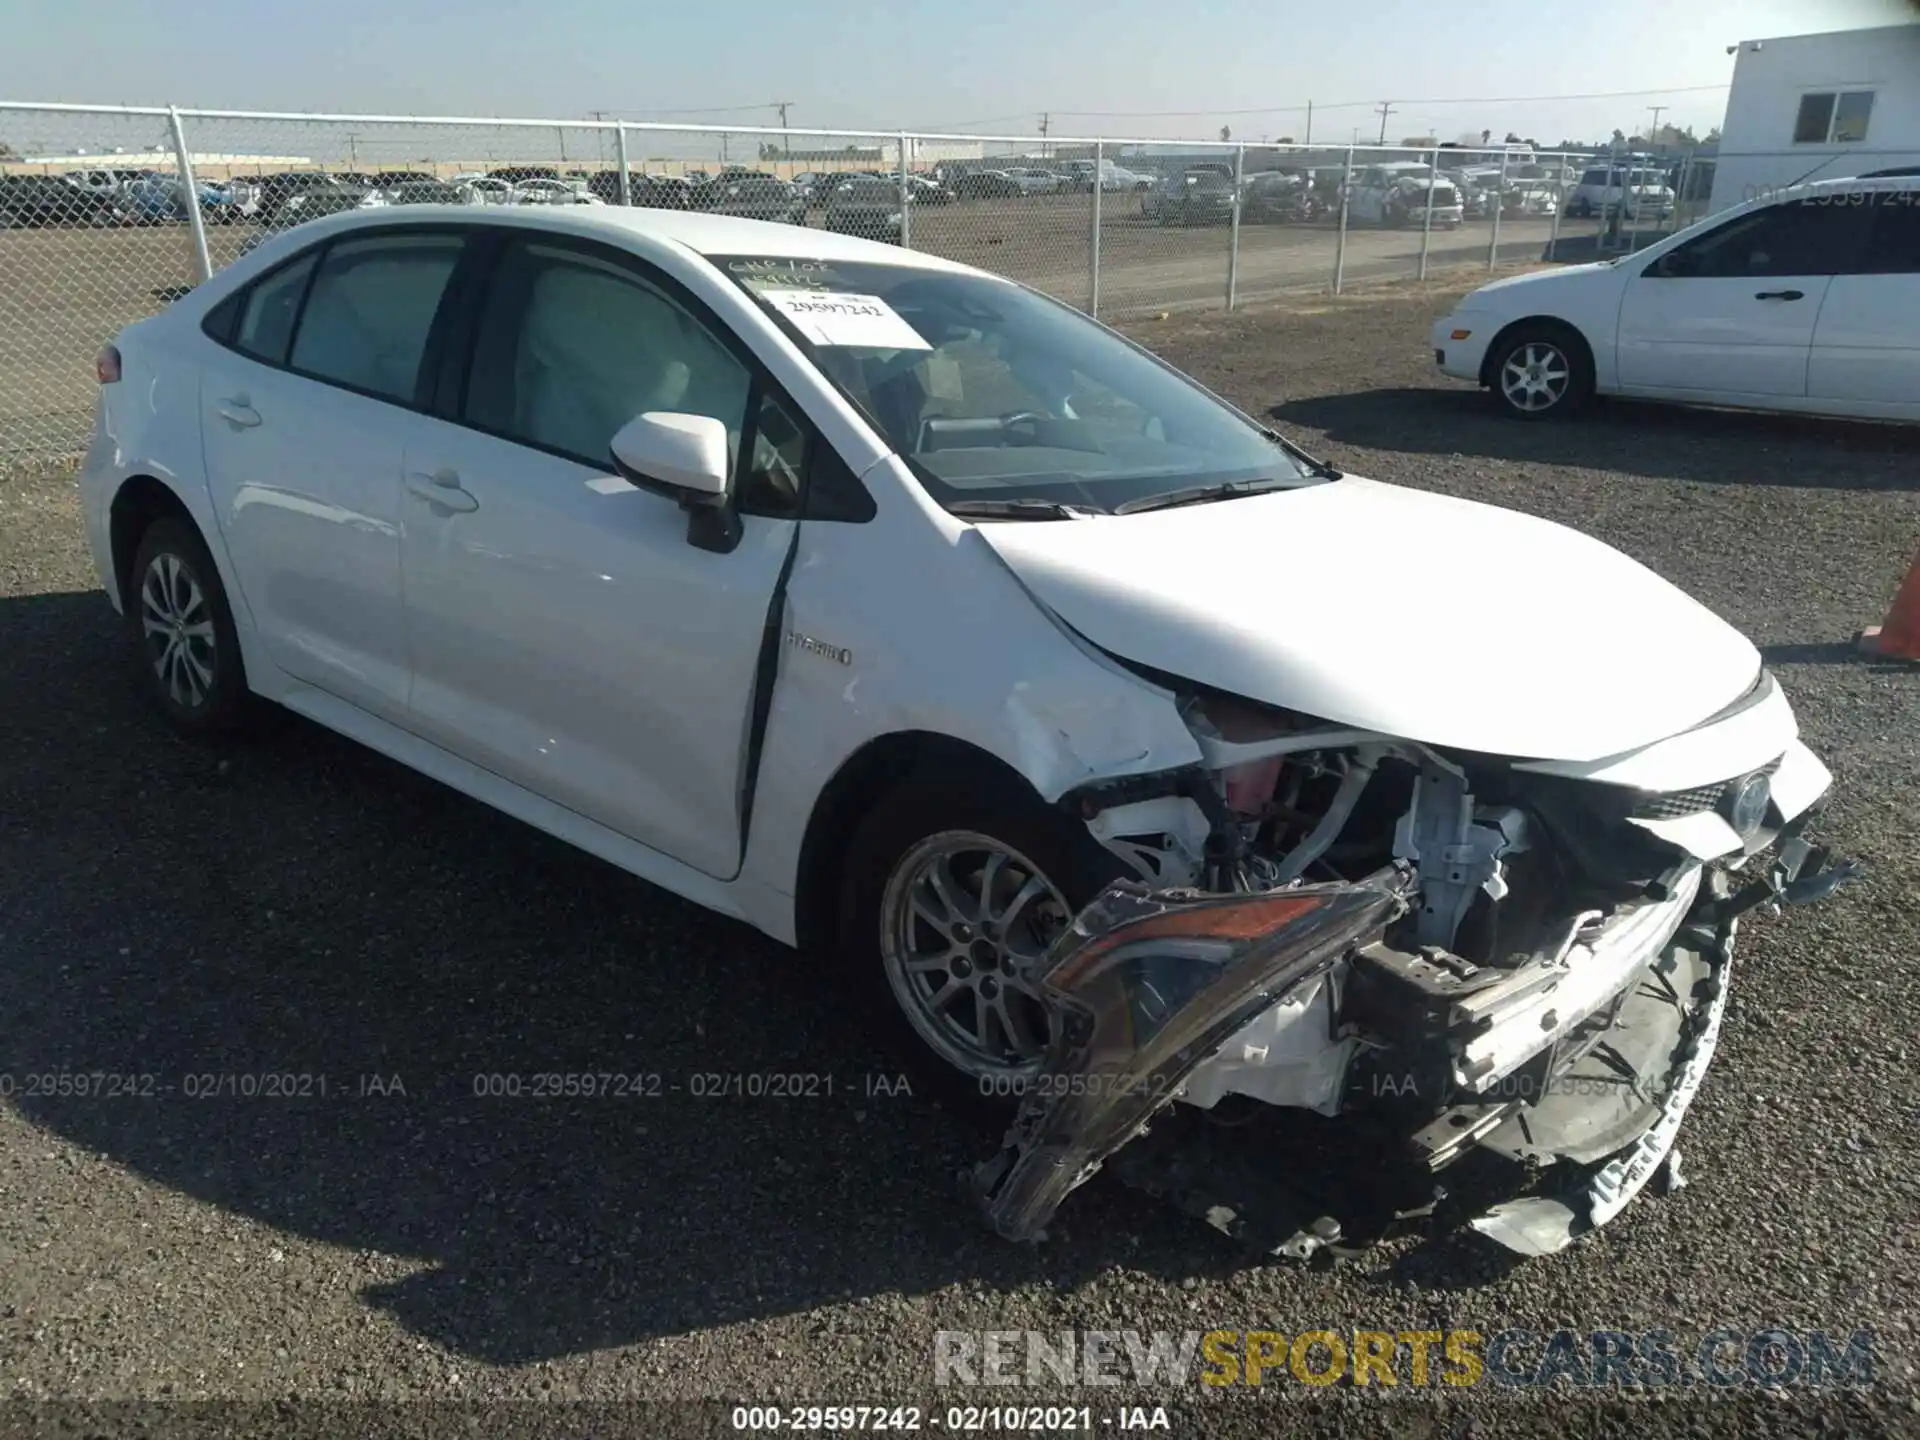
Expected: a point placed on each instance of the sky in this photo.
(1551, 70)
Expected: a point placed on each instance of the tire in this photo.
(181, 630)
(1525, 362)
(926, 822)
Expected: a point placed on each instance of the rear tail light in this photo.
(106, 365)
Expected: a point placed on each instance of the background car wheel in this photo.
(1541, 372)
(951, 896)
(182, 631)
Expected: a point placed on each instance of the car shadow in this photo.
(1666, 442)
(296, 981)
(1834, 652)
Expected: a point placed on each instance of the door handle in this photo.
(1781, 295)
(238, 412)
(442, 488)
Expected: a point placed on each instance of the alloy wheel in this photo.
(1535, 376)
(176, 626)
(965, 923)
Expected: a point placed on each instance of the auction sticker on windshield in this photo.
(832, 318)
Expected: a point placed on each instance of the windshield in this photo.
(992, 392)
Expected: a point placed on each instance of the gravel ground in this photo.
(298, 906)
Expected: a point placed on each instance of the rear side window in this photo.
(371, 307)
(270, 308)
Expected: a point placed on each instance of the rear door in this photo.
(1866, 347)
(304, 418)
(1732, 311)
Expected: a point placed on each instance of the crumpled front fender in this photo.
(1145, 987)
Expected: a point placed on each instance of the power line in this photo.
(709, 110)
(1373, 104)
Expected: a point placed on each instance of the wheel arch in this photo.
(140, 500)
(856, 786)
(1553, 322)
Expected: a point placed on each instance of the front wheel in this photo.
(953, 894)
(1542, 372)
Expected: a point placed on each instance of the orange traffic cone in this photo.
(1898, 638)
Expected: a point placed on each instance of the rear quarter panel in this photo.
(148, 424)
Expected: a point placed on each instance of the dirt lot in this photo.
(299, 906)
(65, 292)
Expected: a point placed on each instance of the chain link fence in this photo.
(108, 213)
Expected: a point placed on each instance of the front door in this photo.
(565, 634)
(1732, 311)
(1866, 348)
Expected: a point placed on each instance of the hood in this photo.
(1561, 275)
(1414, 614)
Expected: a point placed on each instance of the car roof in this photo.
(1909, 181)
(695, 231)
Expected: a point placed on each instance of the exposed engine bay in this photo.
(1428, 962)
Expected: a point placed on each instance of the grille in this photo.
(1676, 803)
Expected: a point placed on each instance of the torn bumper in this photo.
(1566, 1080)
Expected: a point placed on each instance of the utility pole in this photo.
(1046, 123)
(600, 138)
(1385, 107)
(1309, 122)
(1653, 135)
(786, 141)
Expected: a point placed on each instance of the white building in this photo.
(1819, 107)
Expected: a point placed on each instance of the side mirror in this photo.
(684, 456)
(687, 458)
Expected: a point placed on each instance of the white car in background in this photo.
(1644, 193)
(1400, 192)
(553, 192)
(898, 610)
(1809, 301)
(1032, 181)
(490, 189)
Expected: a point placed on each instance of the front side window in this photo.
(571, 347)
(1799, 237)
(1893, 247)
(370, 308)
(993, 393)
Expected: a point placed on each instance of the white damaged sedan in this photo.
(1122, 757)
